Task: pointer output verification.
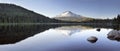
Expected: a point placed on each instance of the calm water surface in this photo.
(64, 38)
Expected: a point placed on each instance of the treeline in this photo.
(115, 20)
(99, 21)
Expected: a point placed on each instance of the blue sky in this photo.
(89, 8)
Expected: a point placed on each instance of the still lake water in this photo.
(55, 38)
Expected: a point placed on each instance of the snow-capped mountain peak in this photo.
(68, 14)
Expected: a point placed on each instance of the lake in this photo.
(59, 38)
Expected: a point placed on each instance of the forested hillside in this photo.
(10, 13)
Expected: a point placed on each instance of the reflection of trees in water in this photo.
(101, 25)
(15, 33)
(116, 27)
(12, 34)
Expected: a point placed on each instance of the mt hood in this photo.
(70, 16)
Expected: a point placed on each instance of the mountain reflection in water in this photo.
(69, 30)
(59, 38)
(14, 33)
